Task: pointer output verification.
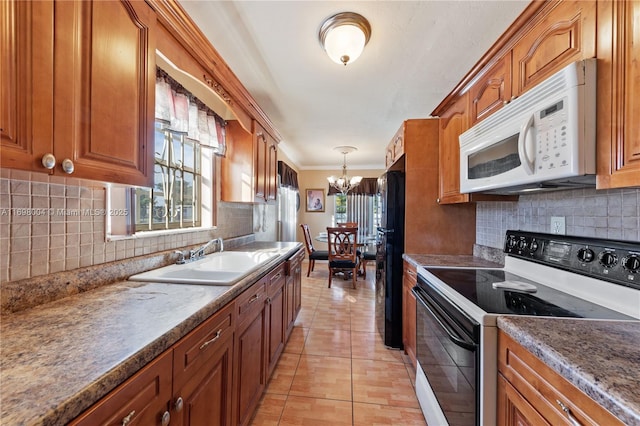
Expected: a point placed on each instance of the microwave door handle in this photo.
(527, 164)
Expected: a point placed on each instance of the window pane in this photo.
(176, 150)
(176, 196)
(143, 201)
(189, 153)
(160, 142)
(188, 197)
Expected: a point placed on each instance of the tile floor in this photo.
(335, 369)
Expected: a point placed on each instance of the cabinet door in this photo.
(618, 94)
(409, 279)
(141, 400)
(249, 352)
(564, 32)
(104, 82)
(513, 409)
(453, 122)
(261, 145)
(491, 91)
(26, 83)
(275, 317)
(271, 177)
(237, 169)
(202, 373)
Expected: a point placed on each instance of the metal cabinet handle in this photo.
(254, 298)
(208, 342)
(179, 404)
(49, 161)
(166, 418)
(67, 166)
(567, 411)
(128, 418)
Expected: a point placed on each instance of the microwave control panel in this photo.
(553, 151)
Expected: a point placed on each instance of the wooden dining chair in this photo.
(312, 252)
(343, 255)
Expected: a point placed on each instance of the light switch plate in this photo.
(557, 225)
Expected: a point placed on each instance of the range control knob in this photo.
(511, 241)
(586, 255)
(522, 244)
(631, 263)
(608, 259)
(533, 246)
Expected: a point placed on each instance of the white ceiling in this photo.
(418, 51)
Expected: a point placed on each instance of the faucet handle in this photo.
(180, 260)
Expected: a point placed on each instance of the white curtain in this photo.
(360, 209)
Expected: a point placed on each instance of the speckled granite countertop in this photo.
(449, 261)
(57, 359)
(599, 357)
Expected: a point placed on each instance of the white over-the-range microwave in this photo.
(542, 140)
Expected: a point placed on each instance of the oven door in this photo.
(448, 352)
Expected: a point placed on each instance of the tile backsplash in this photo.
(611, 214)
(48, 227)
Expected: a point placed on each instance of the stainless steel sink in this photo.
(222, 268)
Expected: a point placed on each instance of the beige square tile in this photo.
(331, 319)
(282, 376)
(323, 377)
(328, 342)
(370, 346)
(316, 412)
(269, 410)
(295, 344)
(382, 382)
(374, 414)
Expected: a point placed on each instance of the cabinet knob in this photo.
(179, 404)
(49, 161)
(128, 418)
(166, 418)
(67, 166)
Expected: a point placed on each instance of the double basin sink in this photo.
(220, 268)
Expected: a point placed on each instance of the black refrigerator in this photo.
(389, 258)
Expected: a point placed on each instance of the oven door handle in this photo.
(453, 336)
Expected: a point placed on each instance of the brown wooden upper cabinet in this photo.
(454, 120)
(250, 167)
(92, 115)
(491, 91)
(618, 129)
(395, 148)
(563, 32)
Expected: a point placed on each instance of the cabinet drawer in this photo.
(141, 400)
(275, 280)
(250, 303)
(193, 350)
(542, 387)
(293, 261)
(410, 275)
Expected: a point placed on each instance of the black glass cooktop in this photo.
(477, 286)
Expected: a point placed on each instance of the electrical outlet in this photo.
(557, 225)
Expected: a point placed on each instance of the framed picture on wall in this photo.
(315, 200)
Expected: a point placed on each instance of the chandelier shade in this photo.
(344, 183)
(344, 36)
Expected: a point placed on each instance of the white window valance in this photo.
(184, 113)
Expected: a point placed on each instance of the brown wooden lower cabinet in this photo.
(142, 400)
(409, 279)
(216, 374)
(531, 393)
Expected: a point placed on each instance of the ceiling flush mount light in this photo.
(343, 184)
(344, 35)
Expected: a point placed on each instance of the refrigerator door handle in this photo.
(385, 231)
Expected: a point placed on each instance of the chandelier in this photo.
(343, 184)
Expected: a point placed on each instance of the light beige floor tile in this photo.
(282, 376)
(305, 317)
(382, 382)
(374, 415)
(300, 411)
(322, 377)
(331, 319)
(328, 342)
(269, 410)
(370, 346)
(295, 344)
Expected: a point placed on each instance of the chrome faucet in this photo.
(199, 252)
(181, 260)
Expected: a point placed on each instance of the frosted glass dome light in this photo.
(343, 36)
